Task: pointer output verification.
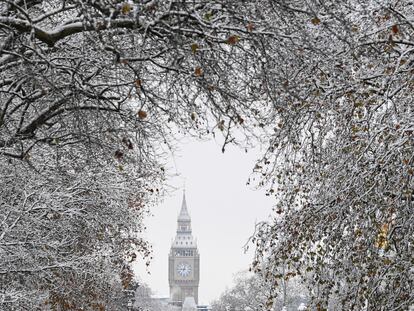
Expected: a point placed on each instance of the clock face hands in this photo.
(184, 269)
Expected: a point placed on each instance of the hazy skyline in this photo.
(223, 212)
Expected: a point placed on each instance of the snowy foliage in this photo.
(251, 292)
(74, 71)
(66, 237)
(90, 92)
(340, 161)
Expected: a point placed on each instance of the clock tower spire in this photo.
(183, 260)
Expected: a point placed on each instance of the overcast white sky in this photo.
(223, 211)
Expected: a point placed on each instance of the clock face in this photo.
(183, 269)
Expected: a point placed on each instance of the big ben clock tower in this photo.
(183, 261)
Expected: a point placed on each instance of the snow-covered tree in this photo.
(251, 292)
(340, 161)
(75, 71)
(248, 293)
(144, 300)
(67, 237)
(89, 94)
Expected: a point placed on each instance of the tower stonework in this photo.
(183, 261)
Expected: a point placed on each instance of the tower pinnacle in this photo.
(184, 215)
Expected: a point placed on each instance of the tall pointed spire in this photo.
(184, 215)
